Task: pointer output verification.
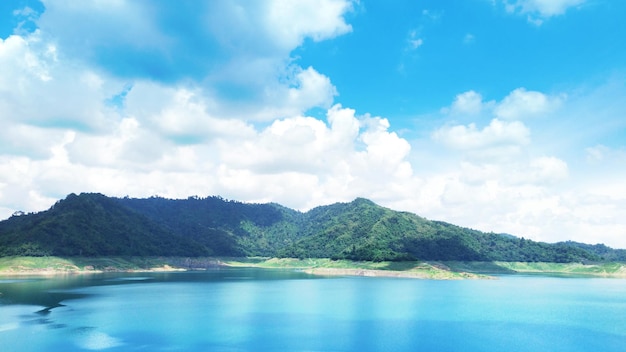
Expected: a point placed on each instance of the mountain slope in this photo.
(227, 227)
(606, 253)
(96, 225)
(91, 225)
(362, 230)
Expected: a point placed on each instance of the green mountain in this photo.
(96, 225)
(362, 230)
(91, 225)
(228, 228)
(605, 252)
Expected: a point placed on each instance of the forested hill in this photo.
(95, 225)
(90, 225)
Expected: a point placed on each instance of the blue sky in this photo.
(500, 115)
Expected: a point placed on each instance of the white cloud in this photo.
(223, 32)
(182, 114)
(359, 151)
(34, 83)
(517, 105)
(25, 62)
(299, 161)
(539, 10)
(239, 53)
(306, 89)
(415, 43)
(470, 103)
(289, 22)
(521, 103)
(546, 170)
(497, 135)
(128, 135)
(414, 40)
(601, 153)
(497, 178)
(545, 8)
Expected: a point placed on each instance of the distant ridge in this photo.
(92, 224)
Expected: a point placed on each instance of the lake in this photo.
(282, 310)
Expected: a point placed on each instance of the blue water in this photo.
(260, 310)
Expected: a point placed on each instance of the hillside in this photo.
(96, 225)
(362, 230)
(229, 228)
(91, 225)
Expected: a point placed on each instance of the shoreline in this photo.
(63, 272)
(395, 274)
(58, 266)
(310, 271)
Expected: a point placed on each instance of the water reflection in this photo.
(50, 292)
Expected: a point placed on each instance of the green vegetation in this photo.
(56, 265)
(435, 270)
(324, 266)
(415, 269)
(25, 264)
(361, 230)
(598, 269)
(93, 225)
(225, 228)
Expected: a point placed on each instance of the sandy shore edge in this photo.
(58, 272)
(391, 273)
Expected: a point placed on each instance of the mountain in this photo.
(229, 228)
(91, 225)
(605, 252)
(362, 230)
(95, 225)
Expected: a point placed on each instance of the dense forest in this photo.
(96, 225)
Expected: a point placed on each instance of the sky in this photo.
(505, 116)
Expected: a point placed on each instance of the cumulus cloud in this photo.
(156, 138)
(149, 42)
(289, 22)
(498, 139)
(517, 105)
(300, 161)
(358, 153)
(546, 170)
(183, 114)
(239, 55)
(470, 103)
(505, 135)
(304, 89)
(500, 182)
(521, 103)
(36, 81)
(139, 108)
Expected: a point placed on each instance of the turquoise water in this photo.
(260, 310)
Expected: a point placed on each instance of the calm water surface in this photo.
(261, 310)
